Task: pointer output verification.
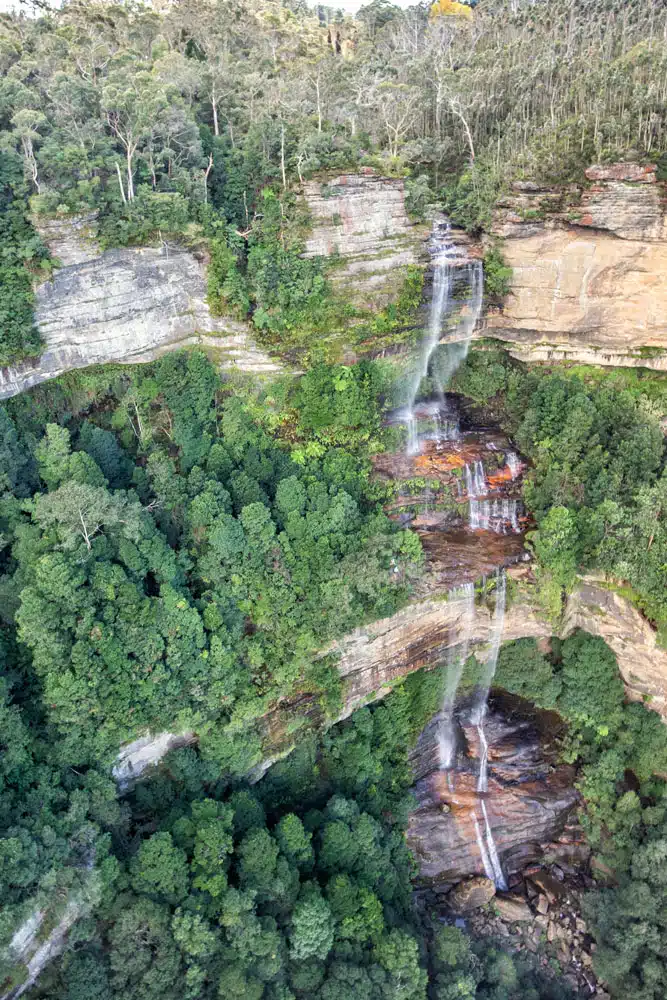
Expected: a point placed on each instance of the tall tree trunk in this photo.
(130, 183)
(282, 156)
(206, 173)
(214, 105)
(120, 183)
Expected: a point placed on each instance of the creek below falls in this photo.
(491, 795)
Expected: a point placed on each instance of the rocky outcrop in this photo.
(372, 658)
(529, 798)
(362, 219)
(35, 953)
(127, 306)
(71, 240)
(641, 661)
(140, 755)
(588, 270)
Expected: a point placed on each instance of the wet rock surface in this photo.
(529, 799)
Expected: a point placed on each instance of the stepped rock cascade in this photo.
(476, 485)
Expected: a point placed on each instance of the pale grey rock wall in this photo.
(140, 755)
(128, 306)
(72, 240)
(362, 218)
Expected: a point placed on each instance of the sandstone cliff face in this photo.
(126, 306)
(530, 796)
(587, 272)
(363, 219)
(372, 658)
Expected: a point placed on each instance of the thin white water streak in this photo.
(446, 733)
(498, 876)
(486, 860)
(478, 719)
(483, 779)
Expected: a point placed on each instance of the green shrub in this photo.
(497, 274)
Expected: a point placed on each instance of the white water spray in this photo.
(478, 718)
(447, 260)
(442, 286)
(514, 464)
(446, 733)
(500, 517)
(456, 346)
(475, 478)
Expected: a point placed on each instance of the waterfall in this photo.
(498, 623)
(446, 734)
(487, 515)
(475, 480)
(486, 860)
(456, 347)
(514, 464)
(442, 285)
(496, 868)
(447, 261)
(478, 718)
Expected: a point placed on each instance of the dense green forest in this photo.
(597, 485)
(201, 119)
(179, 552)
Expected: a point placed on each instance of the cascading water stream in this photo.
(446, 735)
(447, 260)
(514, 464)
(442, 286)
(497, 516)
(478, 717)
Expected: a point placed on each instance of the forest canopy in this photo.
(180, 122)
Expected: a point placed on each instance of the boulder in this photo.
(513, 908)
(471, 894)
(548, 885)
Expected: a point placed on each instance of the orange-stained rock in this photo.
(528, 801)
(587, 282)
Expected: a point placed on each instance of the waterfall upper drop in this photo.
(450, 268)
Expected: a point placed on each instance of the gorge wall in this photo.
(587, 261)
(588, 266)
(587, 278)
(126, 306)
(372, 658)
(362, 218)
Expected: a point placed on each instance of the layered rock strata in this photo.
(127, 306)
(588, 271)
(362, 219)
(529, 797)
(372, 658)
